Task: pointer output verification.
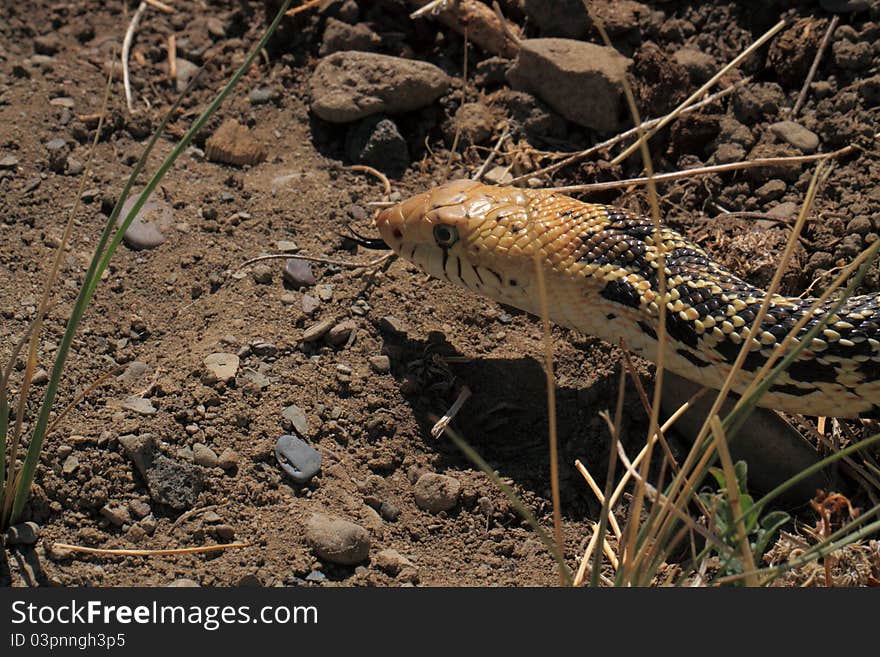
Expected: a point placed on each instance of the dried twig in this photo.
(303, 7)
(433, 6)
(716, 168)
(495, 150)
(802, 96)
(126, 47)
(373, 172)
(161, 6)
(150, 553)
(172, 58)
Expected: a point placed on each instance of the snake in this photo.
(600, 272)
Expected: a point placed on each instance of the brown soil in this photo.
(171, 306)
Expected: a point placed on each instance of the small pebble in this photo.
(116, 515)
(380, 364)
(392, 562)
(298, 273)
(228, 459)
(262, 274)
(297, 417)
(317, 331)
(435, 492)
(184, 582)
(340, 333)
(221, 367)
(205, 456)
(297, 458)
(71, 463)
(262, 95)
(139, 405)
(309, 304)
(338, 541)
(324, 292)
(286, 246)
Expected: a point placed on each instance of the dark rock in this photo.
(26, 533)
(170, 482)
(377, 142)
(297, 458)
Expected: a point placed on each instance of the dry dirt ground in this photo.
(171, 306)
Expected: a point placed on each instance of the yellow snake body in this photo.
(600, 267)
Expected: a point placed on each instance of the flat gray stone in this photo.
(797, 135)
(139, 405)
(298, 273)
(221, 367)
(146, 229)
(347, 86)
(297, 458)
(297, 417)
(581, 81)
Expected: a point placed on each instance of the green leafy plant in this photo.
(759, 530)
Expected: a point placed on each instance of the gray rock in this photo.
(756, 102)
(298, 273)
(186, 71)
(116, 515)
(220, 367)
(336, 540)
(309, 304)
(342, 36)
(146, 229)
(582, 81)
(26, 533)
(436, 492)
(139, 405)
(70, 465)
(262, 274)
(377, 142)
(205, 456)
(297, 458)
(558, 18)
(8, 162)
(184, 583)
(170, 482)
(347, 86)
(796, 135)
(174, 483)
(390, 324)
(297, 418)
(134, 373)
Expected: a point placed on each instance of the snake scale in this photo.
(600, 265)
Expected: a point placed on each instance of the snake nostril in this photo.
(397, 234)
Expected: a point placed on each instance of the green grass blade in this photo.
(100, 264)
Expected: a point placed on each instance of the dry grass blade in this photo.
(708, 170)
(551, 406)
(802, 96)
(303, 7)
(612, 521)
(126, 48)
(150, 553)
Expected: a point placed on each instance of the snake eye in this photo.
(445, 236)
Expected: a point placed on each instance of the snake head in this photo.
(468, 233)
